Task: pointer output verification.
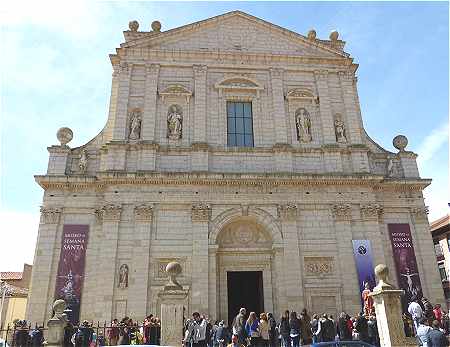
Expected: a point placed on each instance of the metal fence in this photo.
(21, 336)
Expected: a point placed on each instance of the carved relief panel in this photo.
(160, 267)
(244, 234)
(319, 266)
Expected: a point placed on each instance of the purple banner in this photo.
(362, 251)
(405, 261)
(69, 280)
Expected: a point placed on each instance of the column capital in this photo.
(420, 213)
(152, 68)
(342, 212)
(143, 212)
(321, 74)
(50, 215)
(200, 212)
(276, 72)
(371, 211)
(198, 68)
(287, 212)
(109, 212)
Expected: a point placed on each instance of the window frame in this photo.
(236, 134)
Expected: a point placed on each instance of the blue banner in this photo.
(364, 264)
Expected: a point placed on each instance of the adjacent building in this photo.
(440, 232)
(237, 148)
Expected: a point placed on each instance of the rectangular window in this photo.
(442, 272)
(239, 124)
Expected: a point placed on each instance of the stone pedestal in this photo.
(388, 310)
(56, 325)
(172, 312)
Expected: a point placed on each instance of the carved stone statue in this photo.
(303, 124)
(390, 167)
(174, 123)
(135, 125)
(123, 276)
(82, 164)
(339, 129)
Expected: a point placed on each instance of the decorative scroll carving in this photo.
(50, 215)
(319, 266)
(200, 212)
(287, 212)
(238, 83)
(175, 122)
(109, 212)
(298, 93)
(303, 125)
(200, 68)
(243, 234)
(143, 212)
(371, 211)
(135, 121)
(342, 212)
(176, 90)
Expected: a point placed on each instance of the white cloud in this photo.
(432, 143)
(18, 239)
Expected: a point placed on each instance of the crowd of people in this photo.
(291, 330)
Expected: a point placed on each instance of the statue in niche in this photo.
(390, 167)
(82, 164)
(303, 125)
(135, 125)
(174, 123)
(123, 276)
(339, 129)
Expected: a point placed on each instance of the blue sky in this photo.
(56, 72)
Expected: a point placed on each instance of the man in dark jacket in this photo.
(362, 327)
(344, 333)
(436, 338)
(328, 331)
(238, 325)
(37, 337)
(373, 331)
(272, 330)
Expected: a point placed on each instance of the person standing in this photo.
(285, 329)
(316, 329)
(251, 327)
(436, 337)
(220, 336)
(200, 330)
(342, 327)
(272, 330)
(328, 331)
(264, 330)
(415, 310)
(295, 329)
(362, 327)
(235, 341)
(239, 325)
(438, 313)
(372, 330)
(428, 309)
(305, 323)
(422, 332)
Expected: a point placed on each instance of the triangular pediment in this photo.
(238, 32)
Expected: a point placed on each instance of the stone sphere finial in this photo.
(156, 26)
(64, 135)
(312, 35)
(173, 269)
(133, 25)
(59, 306)
(334, 35)
(400, 142)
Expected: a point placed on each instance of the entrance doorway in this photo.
(245, 289)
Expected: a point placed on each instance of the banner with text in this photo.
(362, 251)
(405, 261)
(69, 280)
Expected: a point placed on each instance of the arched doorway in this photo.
(244, 260)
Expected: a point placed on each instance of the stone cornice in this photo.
(105, 179)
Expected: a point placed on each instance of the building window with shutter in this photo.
(239, 124)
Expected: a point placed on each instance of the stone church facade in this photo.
(231, 145)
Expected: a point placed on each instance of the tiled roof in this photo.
(15, 291)
(10, 275)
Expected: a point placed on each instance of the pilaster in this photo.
(147, 157)
(151, 89)
(287, 215)
(123, 92)
(278, 107)
(342, 214)
(140, 262)
(109, 216)
(325, 106)
(354, 122)
(200, 72)
(370, 217)
(213, 304)
(37, 305)
(200, 214)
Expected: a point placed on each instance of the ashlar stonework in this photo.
(161, 184)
